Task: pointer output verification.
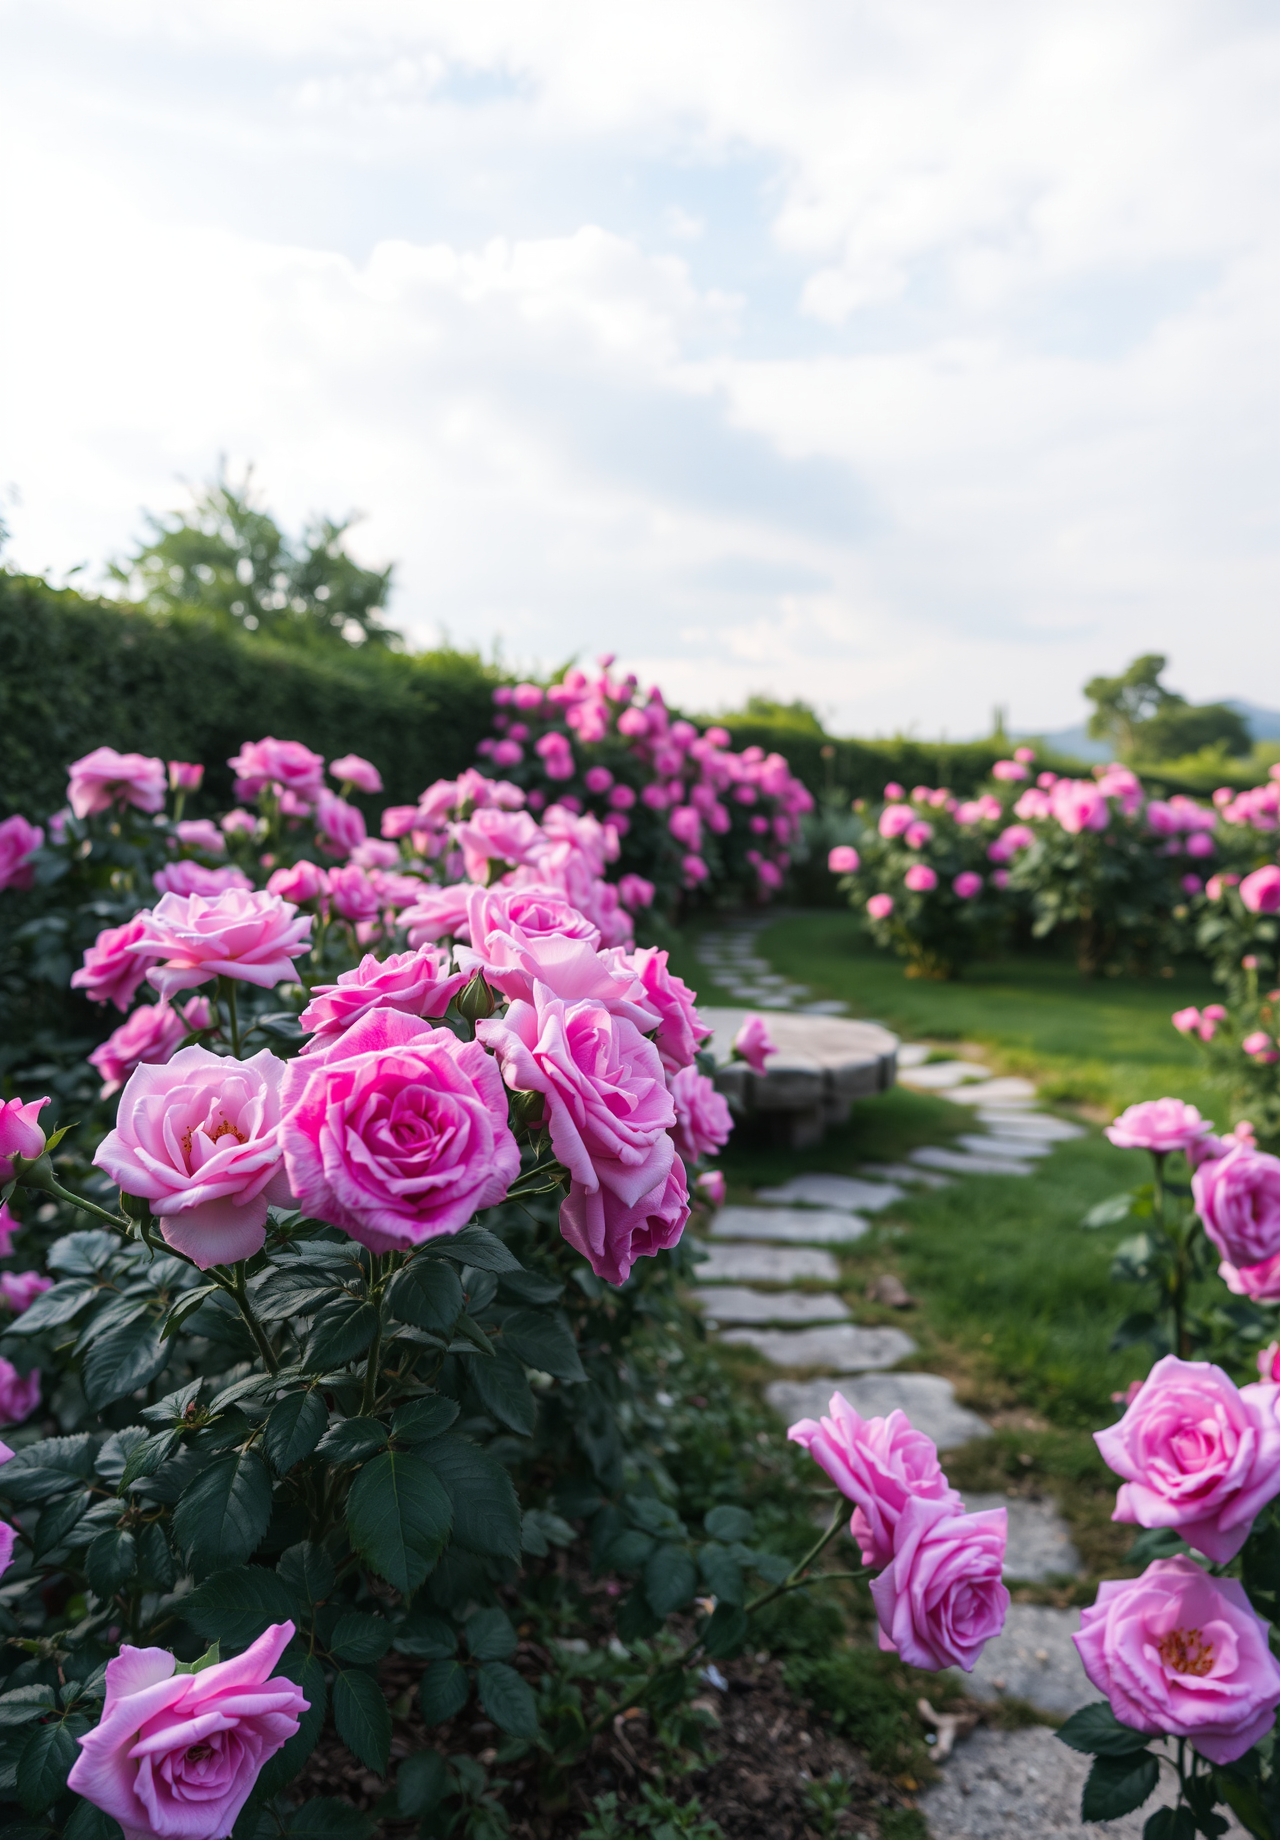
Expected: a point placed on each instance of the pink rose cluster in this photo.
(939, 1594)
(1159, 1125)
(1199, 1022)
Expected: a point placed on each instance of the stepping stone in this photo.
(1029, 1124)
(766, 1265)
(821, 1191)
(824, 1006)
(913, 1053)
(1006, 1091)
(775, 1000)
(846, 1348)
(789, 1226)
(820, 1064)
(965, 1163)
(729, 1305)
(903, 1172)
(928, 1400)
(1039, 1539)
(940, 1075)
(1010, 1148)
(1034, 1659)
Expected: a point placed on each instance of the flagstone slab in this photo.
(1008, 1090)
(757, 1264)
(823, 1191)
(1040, 1544)
(928, 1401)
(1016, 1123)
(964, 1163)
(846, 1348)
(904, 1172)
(938, 1076)
(1034, 1659)
(913, 1053)
(1010, 1148)
(729, 1304)
(818, 1065)
(789, 1226)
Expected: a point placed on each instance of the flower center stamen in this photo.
(1186, 1652)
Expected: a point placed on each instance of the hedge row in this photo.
(79, 673)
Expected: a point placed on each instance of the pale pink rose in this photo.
(510, 928)
(492, 835)
(1179, 1652)
(252, 937)
(20, 1133)
(340, 826)
(113, 967)
(966, 885)
(703, 1123)
(1024, 754)
(917, 834)
(286, 766)
(104, 778)
(879, 1463)
(1196, 1453)
(176, 1756)
(1078, 805)
(1160, 1125)
(609, 1111)
(419, 983)
(920, 878)
(1260, 1282)
(19, 841)
(894, 819)
(376, 853)
(711, 1187)
(399, 820)
(680, 1032)
(941, 1599)
(21, 1288)
(753, 1043)
(185, 776)
(151, 1035)
(635, 892)
(201, 834)
(199, 1138)
(352, 893)
(301, 882)
(843, 859)
(240, 823)
(1237, 1196)
(1186, 1021)
(397, 1132)
(1009, 770)
(1259, 1047)
(611, 1235)
(438, 913)
(880, 906)
(353, 770)
(1260, 891)
(19, 1395)
(187, 877)
(9, 1225)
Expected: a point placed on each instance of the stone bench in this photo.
(820, 1065)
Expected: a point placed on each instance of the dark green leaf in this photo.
(293, 1430)
(45, 1764)
(504, 1392)
(1097, 1731)
(444, 1691)
(1245, 1803)
(1155, 1543)
(156, 1566)
(1261, 1558)
(86, 1822)
(541, 1529)
(352, 1441)
(426, 1638)
(22, 1704)
(41, 1471)
(726, 1632)
(292, 1290)
(424, 1418)
(114, 1311)
(478, 1247)
(1138, 1326)
(145, 1458)
(545, 1342)
(341, 1332)
(486, 1514)
(508, 1699)
(123, 1361)
(308, 1570)
(670, 1578)
(186, 1305)
(729, 1524)
(359, 1637)
(422, 1782)
(82, 1253)
(529, 1287)
(284, 1766)
(327, 1819)
(636, 1621)
(1118, 1785)
(54, 1307)
(469, 1337)
(490, 1635)
(109, 1561)
(427, 1294)
(772, 1567)
(722, 1574)
(362, 1717)
(398, 1515)
(1173, 1824)
(58, 1521)
(224, 1513)
(238, 1605)
(654, 1517)
(629, 1551)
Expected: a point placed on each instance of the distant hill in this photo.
(1264, 725)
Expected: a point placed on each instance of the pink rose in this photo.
(1196, 1453)
(1260, 1282)
(185, 776)
(1009, 770)
(941, 1599)
(19, 1397)
(419, 983)
(680, 1031)
(1260, 891)
(1186, 1021)
(340, 826)
(374, 853)
(9, 1225)
(20, 1134)
(201, 834)
(711, 1187)
(623, 798)
(151, 1036)
(1259, 1047)
(492, 835)
(880, 1464)
(399, 820)
(843, 859)
(1269, 1361)
(1176, 1651)
(1237, 1196)
(921, 879)
(609, 1110)
(703, 1123)
(513, 929)
(21, 1288)
(598, 779)
(880, 906)
(753, 1044)
(634, 891)
(1160, 1125)
(611, 1235)
(894, 819)
(286, 766)
(252, 937)
(438, 913)
(1078, 805)
(352, 893)
(966, 885)
(352, 770)
(104, 778)
(397, 1132)
(200, 1140)
(188, 877)
(240, 823)
(176, 1756)
(301, 882)
(917, 834)
(113, 967)
(19, 841)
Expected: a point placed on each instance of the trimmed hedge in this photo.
(80, 673)
(862, 768)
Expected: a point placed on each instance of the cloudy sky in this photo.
(907, 357)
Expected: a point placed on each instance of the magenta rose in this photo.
(397, 1132)
(152, 1035)
(680, 1032)
(711, 1187)
(188, 877)
(1160, 1125)
(19, 1394)
(20, 1133)
(703, 1123)
(286, 766)
(1176, 1651)
(419, 983)
(1196, 1453)
(1261, 1282)
(966, 885)
(1237, 1197)
(301, 881)
(353, 894)
(880, 906)
(634, 891)
(880, 1464)
(354, 770)
(611, 1235)
(175, 1756)
(104, 778)
(113, 966)
(199, 1139)
(21, 1288)
(843, 860)
(1260, 891)
(341, 826)
(752, 1043)
(252, 937)
(9, 1225)
(19, 841)
(438, 913)
(942, 1597)
(185, 776)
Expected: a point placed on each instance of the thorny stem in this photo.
(119, 1222)
(235, 1287)
(1178, 1284)
(229, 987)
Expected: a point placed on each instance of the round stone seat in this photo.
(819, 1065)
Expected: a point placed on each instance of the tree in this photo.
(225, 553)
(1181, 729)
(1124, 703)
